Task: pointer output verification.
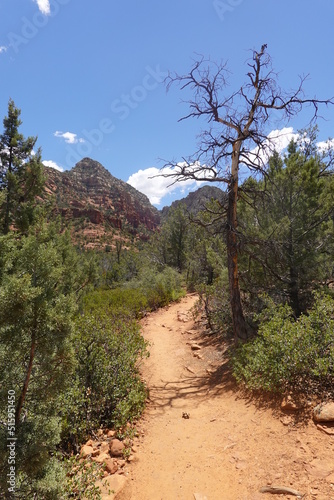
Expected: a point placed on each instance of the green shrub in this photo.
(126, 303)
(81, 476)
(107, 389)
(290, 354)
(149, 291)
(160, 288)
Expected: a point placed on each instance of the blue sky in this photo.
(88, 76)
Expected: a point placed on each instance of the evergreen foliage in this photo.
(70, 343)
(37, 306)
(290, 354)
(169, 246)
(105, 388)
(286, 223)
(21, 173)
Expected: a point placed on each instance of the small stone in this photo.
(319, 468)
(200, 496)
(289, 404)
(86, 451)
(326, 430)
(103, 457)
(324, 412)
(104, 448)
(111, 466)
(195, 347)
(241, 465)
(116, 448)
(183, 317)
(185, 415)
(111, 434)
(286, 420)
(114, 483)
(197, 355)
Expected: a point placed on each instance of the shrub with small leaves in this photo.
(81, 478)
(288, 353)
(107, 389)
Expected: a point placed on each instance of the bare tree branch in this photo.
(240, 122)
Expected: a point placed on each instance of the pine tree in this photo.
(41, 278)
(21, 172)
(287, 227)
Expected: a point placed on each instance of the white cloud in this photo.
(150, 182)
(44, 6)
(69, 137)
(277, 140)
(325, 146)
(2, 49)
(281, 138)
(53, 164)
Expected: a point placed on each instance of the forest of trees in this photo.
(261, 262)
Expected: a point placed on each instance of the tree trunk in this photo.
(23, 394)
(7, 214)
(238, 319)
(293, 292)
(293, 288)
(9, 195)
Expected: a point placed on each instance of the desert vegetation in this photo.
(260, 258)
(70, 339)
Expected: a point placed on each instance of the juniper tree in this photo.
(286, 221)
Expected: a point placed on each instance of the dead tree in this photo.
(237, 137)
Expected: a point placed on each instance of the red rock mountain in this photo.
(96, 204)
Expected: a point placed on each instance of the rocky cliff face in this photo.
(197, 200)
(97, 202)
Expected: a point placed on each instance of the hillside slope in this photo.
(98, 205)
(197, 200)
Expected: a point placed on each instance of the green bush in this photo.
(150, 291)
(160, 288)
(107, 389)
(81, 476)
(290, 354)
(126, 303)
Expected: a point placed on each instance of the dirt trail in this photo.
(229, 447)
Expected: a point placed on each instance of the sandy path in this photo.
(228, 448)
